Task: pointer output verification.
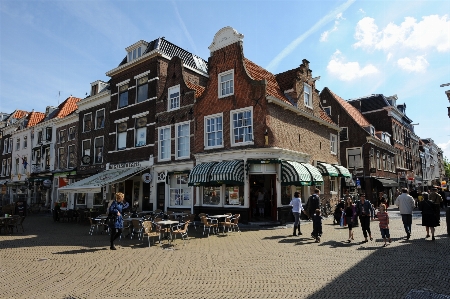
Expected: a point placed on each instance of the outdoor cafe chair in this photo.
(149, 231)
(19, 223)
(235, 221)
(226, 223)
(208, 223)
(137, 229)
(95, 225)
(180, 229)
(13, 224)
(191, 219)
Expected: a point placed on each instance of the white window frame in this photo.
(84, 122)
(23, 168)
(16, 168)
(219, 87)
(104, 118)
(378, 160)
(83, 149)
(8, 166)
(327, 108)
(232, 112)
(17, 144)
(5, 145)
(160, 158)
(308, 103)
(360, 157)
(136, 130)
(188, 138)
(4, 167)
(206, 119)
(120, 92)
(95, 150)
(10, 148)
(333, 144)
(170, 91)
(333, 185)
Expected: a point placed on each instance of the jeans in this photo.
(296, 218)
(365, 225)
(407, 222)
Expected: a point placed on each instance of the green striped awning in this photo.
(343, 172)
(327, 169)
(300, 174)
(228, 172)
(199, 176)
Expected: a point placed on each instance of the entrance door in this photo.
(161, 195)
(263, 197)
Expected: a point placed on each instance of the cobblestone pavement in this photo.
(60, 260)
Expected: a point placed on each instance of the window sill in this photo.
(227, 95)
(212, 147)
(242, 143)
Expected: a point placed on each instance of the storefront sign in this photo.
(147, 178)
(129, 165)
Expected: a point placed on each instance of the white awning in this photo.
(94, 184)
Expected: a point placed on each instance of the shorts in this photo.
(385, 233)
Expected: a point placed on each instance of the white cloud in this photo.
(348, 71)
(445, 147)
(324, 36)
(420, 64)
(362, 11)
(389, 56)
(432, 32)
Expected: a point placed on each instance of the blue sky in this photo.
(358, 48)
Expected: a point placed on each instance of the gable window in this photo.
(71, 156)
(140, 132)
(18, 144)
(164, 143)
(226, 83)
(122, 136)
(174, 97)
(25, 141)
(100, 119)
(242, 126)
(307, 96)
(344, 134)
(327, 110)
(182, 140)
(62, 136)
(142, 89)
(354, 158)
(86, 148)
(98, 154)
(71, 133)
(123, 95)
(48, 134)
(61, 158)
(213, 131)
(16, 168)
(87, 122)
(333, 143)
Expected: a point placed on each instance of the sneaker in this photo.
(300, 233)
(432, 238)
(427, 236)
(112, 248)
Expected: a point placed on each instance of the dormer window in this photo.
(136, 50)
(94, 89)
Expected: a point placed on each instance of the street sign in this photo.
(358, 183)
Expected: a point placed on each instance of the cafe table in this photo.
(219, 217)
(168, 224)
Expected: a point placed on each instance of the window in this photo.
(62, 136)
(100, 119)
(333, 143)
(226, 84)
(372, 158)
(71, 133)
(5, 145)
(182, 140)
(94, 89)
(388, 164)
(164, 143)
(211, 195)
(354, 158)
(307, 96)
(140, 133)
(86, 148)
(10, 146)
(242, 129)
(3, 167)
(122, 136)
(327, 110)
(378, 160)
(24, 164)
(333, 185)
(18, 144)
(61, 158)
(174, 97)
(344, 134)
(87, 122)
(48, 134)
(16, 168)
(47, 158)
(213, 131)
(123, 95)
(37, 156)
(71, 156)
(384, 163)
(180, 193)
(98, 154)
(8, 166)
(142, 88)
(234, 195)
(81, 198)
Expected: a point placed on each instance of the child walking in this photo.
(317, 226)
(383, 218)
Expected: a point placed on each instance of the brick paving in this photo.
(60, 260)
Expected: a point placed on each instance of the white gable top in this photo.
(224, 37)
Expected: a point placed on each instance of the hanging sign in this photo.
(47, 183)
(147, 178)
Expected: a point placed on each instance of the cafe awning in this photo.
(228, 172)
(388, 183)
(199, 176)
(94, 184)
(327, 169)
(300, 174)
(343, 172)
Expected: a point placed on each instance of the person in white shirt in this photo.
(405, 203)
(297, 208)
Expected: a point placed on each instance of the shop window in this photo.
(234, 195)
(182, 140)
(81, 198)
(211, 195)
(140, 132)
(98, 199)
(142, 90)
(333, 185)
(286, 195)
(180, 192)
(98, 143)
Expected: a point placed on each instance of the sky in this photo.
(50, 50)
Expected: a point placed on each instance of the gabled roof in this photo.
(323, 115)
(198, 89)
(258, 73)
(352, 111)
(34, 118)
(370, 103)
(18, 114)
(67, 107)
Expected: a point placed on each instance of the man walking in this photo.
(313, 204)
(405, 204)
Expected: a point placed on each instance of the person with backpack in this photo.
(364, 210)
(116, 209)
(313, 205)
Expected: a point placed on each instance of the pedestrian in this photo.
(382, 199)
(442, 194)
(317, 226)
(297, 208)
(364, 210)
(430, 214)
(383, 218)
(405, 204)
(350, 215)
(116, 209)
(414, 195)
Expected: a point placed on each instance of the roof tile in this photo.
(67, 107)
(34, 118)
(18, 114)
(352, 111)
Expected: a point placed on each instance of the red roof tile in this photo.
(323, 115)
(198, 89)
(352, 111)
(18, 114)
(67, 107)
(258, 73)
(34, 118)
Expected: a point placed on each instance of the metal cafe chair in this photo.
(181, 230)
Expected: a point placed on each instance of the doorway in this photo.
(161, 195)
(263, 197)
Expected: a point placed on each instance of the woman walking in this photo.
(350, 215)
(430, 214)
(116, 209)
(297, 208)
(365, 212)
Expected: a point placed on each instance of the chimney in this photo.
(305, 63)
